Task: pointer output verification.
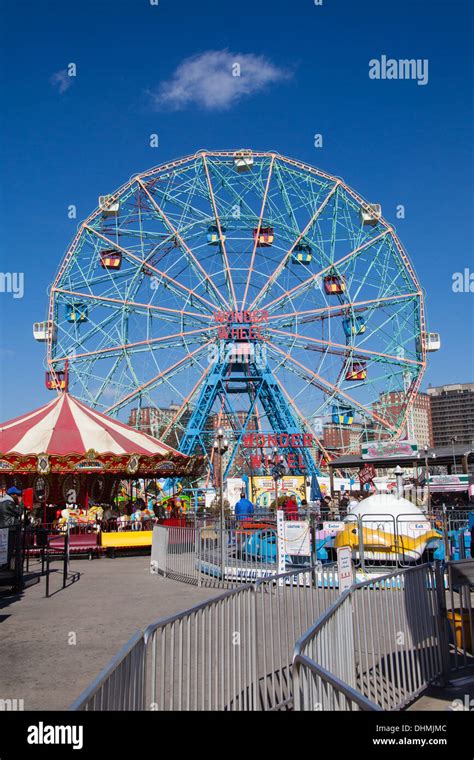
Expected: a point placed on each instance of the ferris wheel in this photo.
(245, 290)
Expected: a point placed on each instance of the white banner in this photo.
(297, 538)
(3, 546)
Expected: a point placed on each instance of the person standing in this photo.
(326, 505)
(291, 508)
(10, 515)
(353, 502)
(10, 508)
(244, 507)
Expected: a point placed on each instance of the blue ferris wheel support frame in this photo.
(261, 386)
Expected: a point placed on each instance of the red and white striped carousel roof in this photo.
(67, 426)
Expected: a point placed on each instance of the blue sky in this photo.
(395, 142)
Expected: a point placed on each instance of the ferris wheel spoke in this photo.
(309, 315)
(388, 333)
(176, 367)
(108, 379)
(194, 262)
(134, 304)
(287, 256)
(99, 329)
(145, 265)
(138, 344)
(184, 205)
(344, 349)
(186, 401)
(222, 245)
(329, 388)
(303, 286)
(302, 418)
(260, 221)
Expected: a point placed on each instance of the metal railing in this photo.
(205, 555)
(173, 553)
(387, 542)
(233, 652)
(459, 613)
(375, 647)
(11, 571)
(382, 642)
(120, 685)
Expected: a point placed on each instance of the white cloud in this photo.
(209, 80)
(61, 80)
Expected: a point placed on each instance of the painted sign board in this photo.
(367, 474)
(345, 570)
(385, 449)
(449, 482)
(334, 527)
(263, 489)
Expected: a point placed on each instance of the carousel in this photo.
(67, 455)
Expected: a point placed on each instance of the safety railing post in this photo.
(66, 556)
(197, 555)
(18, 558)
(295, 669)
(447, 555)
(361, 543)
(143, 685)
(442, 620)
(254, 646)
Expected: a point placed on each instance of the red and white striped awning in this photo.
(66, 426)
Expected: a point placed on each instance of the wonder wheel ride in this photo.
(242, 290)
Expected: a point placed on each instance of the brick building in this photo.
(390, 406)
(154, 421)
(338, 437)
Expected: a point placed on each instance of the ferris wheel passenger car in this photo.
(334, 285)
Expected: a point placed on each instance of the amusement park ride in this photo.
(261, 293)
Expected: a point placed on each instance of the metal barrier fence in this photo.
(208, 556)
(386, 541)
(384, 641)
(11, 568)
(233, 652)
(375, 647)
(173, 553)
(459, 613)
(204, 554)
(121, 685)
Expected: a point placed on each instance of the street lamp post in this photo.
(453, 441)
(427, 477)
(277, 472)
(398, 472)
(220, 446)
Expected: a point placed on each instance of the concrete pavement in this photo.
(51, 649)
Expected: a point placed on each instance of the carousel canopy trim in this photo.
(66, 426)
